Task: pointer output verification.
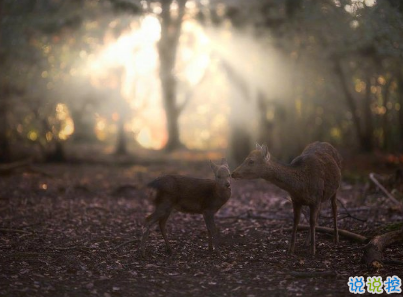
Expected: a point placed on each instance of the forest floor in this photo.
(60, 226)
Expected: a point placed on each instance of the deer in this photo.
(189, 195)
(310, 179)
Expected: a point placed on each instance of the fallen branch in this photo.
(308, 274)
(96, 208)
(249, 215)
(6, 169)
(33, 169)
(10, 167)
(393, 262)
(382, 188)
(347, 234)
(373, 256)
(67, 248)
(6, 230)
(29, 254)
(123, 244)
(123, 189)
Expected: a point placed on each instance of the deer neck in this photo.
(283, 176)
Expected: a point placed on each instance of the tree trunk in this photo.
(84, 122)
(167, 49)
(363, 142)
(367, 137)
(292, 7)
(400, 99)
(4, 143)
(121, 144)
(239, 138)
(266, 126)
(172, 112)
(387, 141)
(240, 143)
(57, 155)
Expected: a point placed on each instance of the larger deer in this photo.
(310, 179)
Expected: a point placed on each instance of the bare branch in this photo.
(345, 233)
(382, 188)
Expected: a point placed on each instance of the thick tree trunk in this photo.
(172, 111)
(167, 49)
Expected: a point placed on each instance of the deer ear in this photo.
(265, 152)
(224, 162)
(213, 167)
(258, 147)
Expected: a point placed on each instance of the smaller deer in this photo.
(189, 195)
(310, 179)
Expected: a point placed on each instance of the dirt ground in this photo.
(60, 226)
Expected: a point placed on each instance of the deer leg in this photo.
(211, 230)
(314, 211)
(307, 215)
(305, 211)
(150, 220)
(297, 216)
(334, 210)
(160, 212)
(162, 224)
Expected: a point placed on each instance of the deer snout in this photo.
(227, 184)
(235, 174)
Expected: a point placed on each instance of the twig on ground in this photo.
(349, 214)
(121, 189)
(33, 169)
(6, 230)
(10, 167)
(249, 215)
(393, 262)
(123, 244)
(308, 274)
(96, 208)
(74, 247)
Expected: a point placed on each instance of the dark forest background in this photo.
(204, 75)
